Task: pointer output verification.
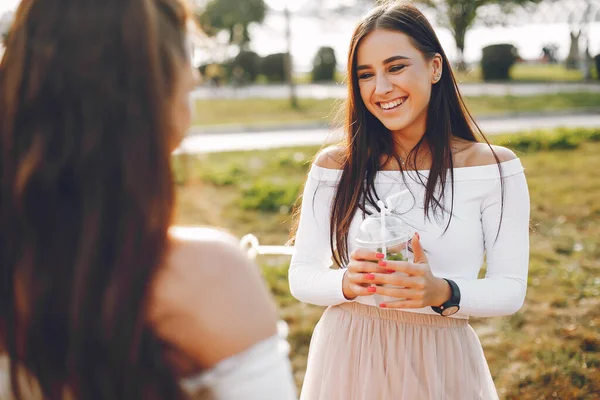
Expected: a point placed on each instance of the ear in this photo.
(437, 64)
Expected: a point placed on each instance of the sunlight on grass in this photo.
(264, 112)
(520, 73)
(550, 349)
(526, 73)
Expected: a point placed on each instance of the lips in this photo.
(392, 104)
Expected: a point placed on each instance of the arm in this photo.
(211, 304)
(502, 291)
(310, 276)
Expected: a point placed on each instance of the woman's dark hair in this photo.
(367, 141)
(86, 193)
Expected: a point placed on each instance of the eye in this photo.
(396, 68)
(366, 75)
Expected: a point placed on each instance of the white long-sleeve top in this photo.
(457, 254)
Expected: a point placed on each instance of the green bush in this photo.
(249, 63)
(273, 67)
(497, 60)
(267, 196)
(295, 160)
(223, 177)
(324, 65)
(559, 139)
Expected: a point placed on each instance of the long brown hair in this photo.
(367, 140)
(86, 193)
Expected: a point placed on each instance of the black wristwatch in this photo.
(451, 306)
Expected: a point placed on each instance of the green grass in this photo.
(306, 77)
(259, 112)
(520, 73)
(550, 349)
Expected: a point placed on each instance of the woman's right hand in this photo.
(359, 273)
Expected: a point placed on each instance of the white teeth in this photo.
(390, 105)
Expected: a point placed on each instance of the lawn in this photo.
(550, 349)
(524, 73)
(260, 112)
(520, 73)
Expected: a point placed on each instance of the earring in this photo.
(438, 76)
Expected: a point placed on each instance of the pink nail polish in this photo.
(382, 263)
(371, 289)
(380, 255)
(383, 305)
(369, 276)
(391, 270)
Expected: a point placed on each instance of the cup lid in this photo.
(370, 232)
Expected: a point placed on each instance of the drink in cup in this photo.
(386, 234)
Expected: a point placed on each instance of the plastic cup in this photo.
(390, 234)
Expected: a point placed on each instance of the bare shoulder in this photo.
(331, 157)
(202, 245)
(210, 292)
(478, 154)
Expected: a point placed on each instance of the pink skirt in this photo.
(360, 352)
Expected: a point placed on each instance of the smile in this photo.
(390, 105)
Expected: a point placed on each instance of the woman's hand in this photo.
(417, 289)
(361, 272)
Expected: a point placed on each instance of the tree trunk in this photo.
(288, 60)
(460, 52)
(573, 59)
(461, 15)
(459, 29)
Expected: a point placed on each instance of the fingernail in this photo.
(391, 270)
(380, 255)
(371, 289)
(369, 276)
(383, 305)
(382, 263)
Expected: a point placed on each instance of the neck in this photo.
(407, 138)
(404, 145)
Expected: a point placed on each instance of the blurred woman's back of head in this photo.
(86, 195)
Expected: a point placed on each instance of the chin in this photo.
(394, 125)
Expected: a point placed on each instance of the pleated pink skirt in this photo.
(360, 352)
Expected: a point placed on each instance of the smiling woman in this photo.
(397, 89)
(407, 129)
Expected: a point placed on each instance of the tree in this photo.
(324, 65)
(458, 16)
(233, 16)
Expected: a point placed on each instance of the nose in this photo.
(382, 85)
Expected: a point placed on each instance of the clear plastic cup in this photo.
(389, 234)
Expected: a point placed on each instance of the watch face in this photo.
(450, 310)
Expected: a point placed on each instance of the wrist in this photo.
(451, 305)
(346, 291)
(444, 292)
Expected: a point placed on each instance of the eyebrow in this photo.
(386, 61)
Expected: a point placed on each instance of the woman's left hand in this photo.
(418, 288)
